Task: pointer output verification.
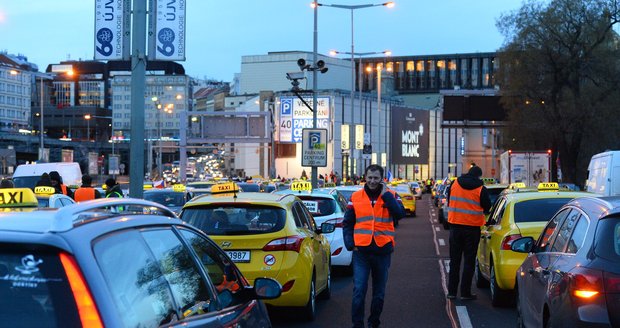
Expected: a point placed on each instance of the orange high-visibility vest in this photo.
(84, 193)
(371, 221)
(63, 188)
(464, 206)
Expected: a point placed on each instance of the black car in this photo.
(120, 262)
(571, 277)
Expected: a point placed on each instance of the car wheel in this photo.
(309, 310)
(481, 282)
(327, 292)
(519, 313)
(499, 297)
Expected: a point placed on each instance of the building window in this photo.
(475, 72)
(441, 65)
(284, 150)
(465, 81)
(430, 65)
(485, 72)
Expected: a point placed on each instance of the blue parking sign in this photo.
(286, 106)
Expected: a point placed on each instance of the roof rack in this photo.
(67, 217)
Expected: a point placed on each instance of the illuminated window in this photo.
(410, 66)
(475, 72)
(441, 64)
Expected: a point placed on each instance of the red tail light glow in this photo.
(290, 243)
(337, 251)
(337, 222)
(83, 299)
(407, 197)
(585, 283)
(288, 285)
(507, 242)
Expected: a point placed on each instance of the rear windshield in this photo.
(166, 198)
(607, 239)
(249, 187)
(319, 206)
(235, 219)
(538, 210)
(34, 291)
(347, 194)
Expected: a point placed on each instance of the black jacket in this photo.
(470, 182)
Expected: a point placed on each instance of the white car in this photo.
(417, 190)
(327, 205)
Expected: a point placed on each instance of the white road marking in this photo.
(442, 242)
(446, 263)
(437, 229)
(435, 221)
(435, 239)
(461, 312)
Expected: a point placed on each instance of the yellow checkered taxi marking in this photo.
(548, 186)
(224, 187)
(517, 185)
(44, 190)
(301, 186)
(18, 197)
(178, 187)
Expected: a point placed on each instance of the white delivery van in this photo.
(604, 174)
(27, 175)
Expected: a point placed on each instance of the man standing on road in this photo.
(368, 231)
(86, 191)
(468, 201)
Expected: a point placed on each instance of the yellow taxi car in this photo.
(268, 235)
(407, 196)
(516, 213)
(41, 197)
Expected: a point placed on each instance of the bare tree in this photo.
(560, 73)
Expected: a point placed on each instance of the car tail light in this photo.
(612, 282)
(585, 283)
(291, 243)
(407, 197)
(337, 251)
(507, 241)
(85, 304)
(288, 285)
(337, 222)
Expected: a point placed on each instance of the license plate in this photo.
(239, 256)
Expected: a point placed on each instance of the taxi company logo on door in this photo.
(287, 106)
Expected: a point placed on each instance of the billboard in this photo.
(410, 140)
(112, 25)
(167, 30)
(294, 116)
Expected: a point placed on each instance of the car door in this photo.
(486, 236)
(319, 245)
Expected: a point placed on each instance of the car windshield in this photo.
(235, 219)
(494, 193)
(319, 206)
(607, 239)
(26, 181)
(537, 210)
(166, 198)
(34, 289)
(249, 187)
(403, 189)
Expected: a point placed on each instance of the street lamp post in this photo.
(87, 117)
(353, 8)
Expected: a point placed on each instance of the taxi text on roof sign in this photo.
(44, 190)
(518, 185)
(548, 186)
(178, 187)
(301, 186)
(17, 197)
(224, 187)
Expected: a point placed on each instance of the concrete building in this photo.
(16, 79)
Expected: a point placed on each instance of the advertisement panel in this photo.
(168, 37)
(111, 30)
(294, 116)
(410, 137)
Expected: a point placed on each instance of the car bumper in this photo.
(340, 256)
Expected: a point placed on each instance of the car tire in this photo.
(413, 214)
(309, 310)
(481, 282)
(499, 297)
(327, 292)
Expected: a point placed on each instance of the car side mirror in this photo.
(267, 288)
(522, 245)
(327, 227)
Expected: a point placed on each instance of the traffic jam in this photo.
(230, 256)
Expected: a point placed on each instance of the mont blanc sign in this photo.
(409, 136)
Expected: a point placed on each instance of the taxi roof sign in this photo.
(301, 186)
(178, 187)
(487, 181)
(44, 190)
(224, 187)
(517, 185)
(548, 186)
(18, 197)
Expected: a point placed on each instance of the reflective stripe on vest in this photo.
(84, 193)
(464, 206)
(371, 222)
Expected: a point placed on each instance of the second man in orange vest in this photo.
(468, 201)
(86, 191)
(368, 231)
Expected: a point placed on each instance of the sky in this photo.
(220, 32)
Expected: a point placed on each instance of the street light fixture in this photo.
(87, 117)
(389, 4)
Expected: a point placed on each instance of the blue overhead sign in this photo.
(294, 116)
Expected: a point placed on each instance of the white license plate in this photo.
(239, 256)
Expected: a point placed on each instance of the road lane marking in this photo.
(435, 238)
(444, 285)
(442, 242)
(461, 312)
(446, 264)
(435, 221)
(437, 229)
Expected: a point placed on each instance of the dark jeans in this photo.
(364, 265)
(463, 244)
